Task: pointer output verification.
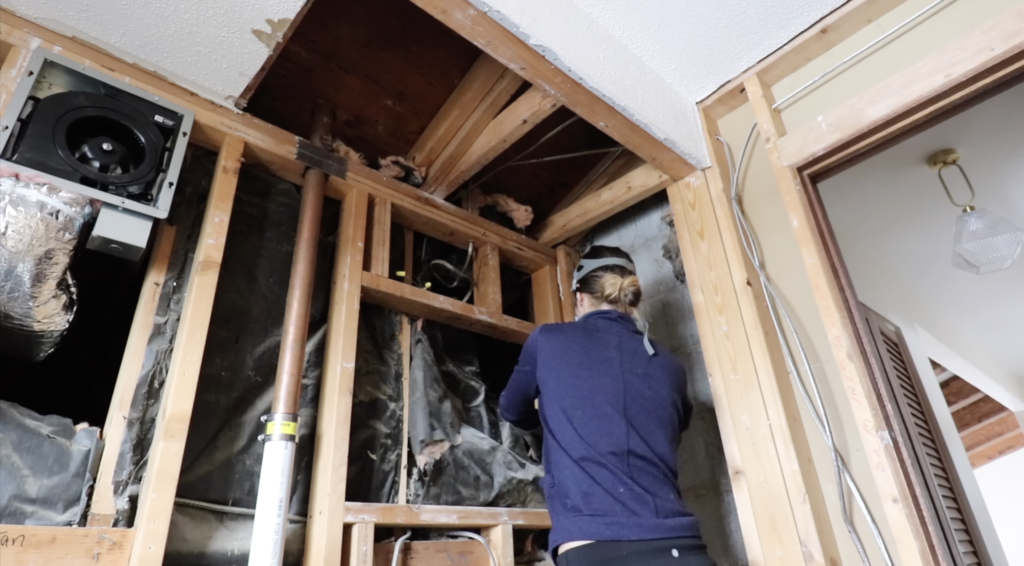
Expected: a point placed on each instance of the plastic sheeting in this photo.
(39, 229)
(47, 467)
(456, 436)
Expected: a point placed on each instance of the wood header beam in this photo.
(511, 124)
(490, 36)
(829, 32)
(440, 219)
(422, 303)
(386, 515)
(983, 56)
(604, 203)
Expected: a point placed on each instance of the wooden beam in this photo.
(959, 393)
(490, 105)
(456, 110)
(13, 65)
(22, 545)
(783, 405)
(894, 490)
(490, 36)
(378, 261)
(291, 24)
(506, 129)
(102, 508)
(547, 305)
(273, 150)
(567, 260)
(830, 31)
(357, 546)
(604, 203)
(997, 449)
(963, 66)
(334, 417)
(702, 300)
(739, 388)
(160, 483)
(487, 278)
(434, 217)
(425, 304)
(613, 166)
(995, 431)
(433, 553)
(440, 516)
(978, 415)
(499, 538)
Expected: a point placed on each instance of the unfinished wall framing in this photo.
(780, 498)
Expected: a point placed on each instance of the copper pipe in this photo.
(292, 359)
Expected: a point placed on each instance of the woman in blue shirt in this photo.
(613, 407)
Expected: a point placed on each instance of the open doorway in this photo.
(959, 333)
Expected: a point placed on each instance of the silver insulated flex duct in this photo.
(39, 229)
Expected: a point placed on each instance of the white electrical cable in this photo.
(398, 547)
(818, 412)
(483, 541)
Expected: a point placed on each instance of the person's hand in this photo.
(27, 177)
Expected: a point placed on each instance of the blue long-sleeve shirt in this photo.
(612, 417)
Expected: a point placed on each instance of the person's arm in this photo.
(517, 400)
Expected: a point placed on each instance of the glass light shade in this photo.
(984, 242)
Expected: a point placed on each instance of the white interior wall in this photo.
(208, 47)
(1000, 483)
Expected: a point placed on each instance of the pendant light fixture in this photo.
(983, 242)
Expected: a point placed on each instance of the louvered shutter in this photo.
(948, 515)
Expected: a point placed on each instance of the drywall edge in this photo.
(659, 102)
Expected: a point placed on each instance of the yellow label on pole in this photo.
(282, 427)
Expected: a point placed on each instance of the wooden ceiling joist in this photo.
(456, 111)
(490, 104)
(613, 166)
(476, 26)
(611, 199)
(504, 130)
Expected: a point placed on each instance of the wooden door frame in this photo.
(971, 69)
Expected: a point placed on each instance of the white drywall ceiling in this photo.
(207, 46)
(652, 59)
(893, 208)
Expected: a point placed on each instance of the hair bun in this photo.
(620, 292)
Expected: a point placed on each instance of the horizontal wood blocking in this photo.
(615, 197)
(829, 32)
(386, 515)
(22, 545)
(422, 303)
(494, 39)
(433, 553)
(970, 63)
(439, 219)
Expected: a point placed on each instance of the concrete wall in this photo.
(704, 479)
(770, 221)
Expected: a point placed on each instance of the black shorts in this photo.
(685, 551)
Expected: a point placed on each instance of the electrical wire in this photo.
(483, 541)
(398, 547)
(227, 509)
(819, 413)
